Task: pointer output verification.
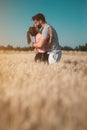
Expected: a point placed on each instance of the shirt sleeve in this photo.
(45, 33)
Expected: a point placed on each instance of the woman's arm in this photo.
(40, 43)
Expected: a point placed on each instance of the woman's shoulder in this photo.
(38, 36)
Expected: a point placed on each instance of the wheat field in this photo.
(38, 96)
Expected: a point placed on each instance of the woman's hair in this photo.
(31, 32)
(28, 38)
(39, 17)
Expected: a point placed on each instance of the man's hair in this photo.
(38, 17)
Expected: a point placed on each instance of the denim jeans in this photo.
(54, 57)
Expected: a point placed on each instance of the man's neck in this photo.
(43, 24)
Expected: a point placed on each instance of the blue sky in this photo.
(68, 17)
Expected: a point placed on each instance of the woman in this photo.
(41, 54)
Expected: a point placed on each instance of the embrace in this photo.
(46, 42)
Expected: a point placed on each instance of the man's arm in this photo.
(42, 42)
(50, 36)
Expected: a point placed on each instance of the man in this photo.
(54, 50)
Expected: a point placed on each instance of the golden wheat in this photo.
(37, 96)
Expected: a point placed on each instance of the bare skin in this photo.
(42, 42)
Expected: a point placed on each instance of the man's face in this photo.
(37, 23)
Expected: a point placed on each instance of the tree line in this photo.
(67, 48)
(10, 47)
(77, 48)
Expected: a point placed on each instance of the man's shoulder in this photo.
(47, 26)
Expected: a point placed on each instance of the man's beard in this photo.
(39, 26)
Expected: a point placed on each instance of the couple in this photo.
(46, 40)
